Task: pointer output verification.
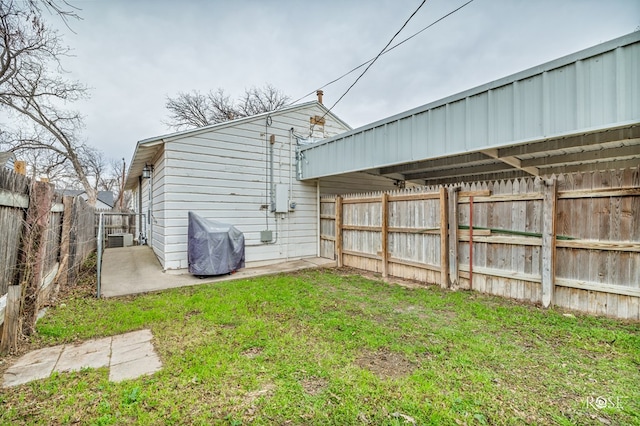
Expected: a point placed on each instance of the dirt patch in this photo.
(423, 313)
(314, 385)
(227, 326)
(411, 309)
(266, 390)
(417, 311)
(252, 352)
(403, 282)
(386, 364)
(443, 313)
(248, 402)
(192, 313)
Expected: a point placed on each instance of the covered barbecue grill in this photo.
(214, 248)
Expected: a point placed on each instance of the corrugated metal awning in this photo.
(577, 113)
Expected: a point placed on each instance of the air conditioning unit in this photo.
(119, 240)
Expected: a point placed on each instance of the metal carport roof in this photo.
(577, 113)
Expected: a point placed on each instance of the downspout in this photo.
(318, 218)
(150, 211)
(141, 237)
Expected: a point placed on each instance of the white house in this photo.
(242, 172)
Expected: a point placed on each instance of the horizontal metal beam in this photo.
(591, 167)
(435, 163)
(632, 132)
(587, 156)
(462, 171)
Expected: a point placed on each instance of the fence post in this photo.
(9, 341)
(100, 248)
(338, 231)
(385, 234)
(34, 248)
(549, 241)
(454, 274)
(65, 242)
(444, 238)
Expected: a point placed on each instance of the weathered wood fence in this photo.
(44, 239)
(571, 240)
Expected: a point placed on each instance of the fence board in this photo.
(11, 226)
(327, 227)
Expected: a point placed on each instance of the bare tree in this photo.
(49, 165)
(258, 100)
(221, 107)
(188, 110)
(33, 90)
(195, 109)
(116, 183)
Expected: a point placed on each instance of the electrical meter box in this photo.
(282, 198)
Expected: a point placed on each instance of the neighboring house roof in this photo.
(7, 159)
(146, 149)
(105, 197)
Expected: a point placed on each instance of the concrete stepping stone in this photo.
(133, 355)
(35, 365)
(134, 368)
(133, 337)
(91, 354)
(131, 352)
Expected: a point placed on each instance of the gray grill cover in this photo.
(214, 248)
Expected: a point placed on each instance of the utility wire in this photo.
(378, 55)
(383, 52)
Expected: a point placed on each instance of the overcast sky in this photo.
(135, 53)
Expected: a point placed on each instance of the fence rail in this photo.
(570, 240)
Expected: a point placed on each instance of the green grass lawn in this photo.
(332, 347)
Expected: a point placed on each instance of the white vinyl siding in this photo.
(223, 174)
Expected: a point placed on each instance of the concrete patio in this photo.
(133, 270)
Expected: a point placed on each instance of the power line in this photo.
(383, 52)
(377, 56)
